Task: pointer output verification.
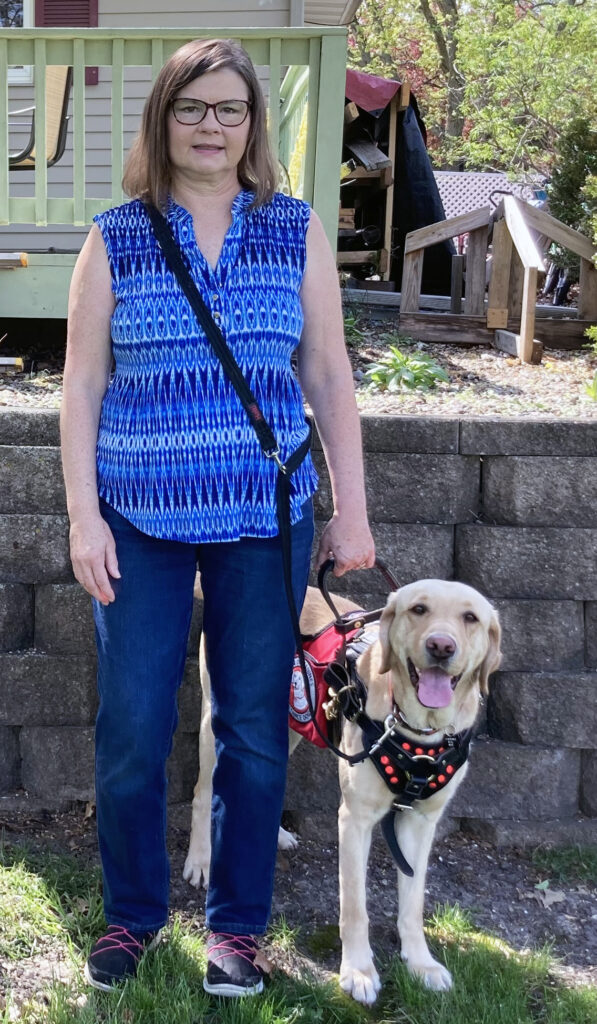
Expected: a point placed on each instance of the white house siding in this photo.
(149, 14)
(330, 12)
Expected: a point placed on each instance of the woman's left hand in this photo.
(349, 542)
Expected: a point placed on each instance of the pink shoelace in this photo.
(244, 946)
(119, 938)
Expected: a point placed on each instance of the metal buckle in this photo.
(390, 724)
(275, 455)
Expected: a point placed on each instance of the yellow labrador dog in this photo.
(438, 644)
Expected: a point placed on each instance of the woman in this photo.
(164, 476)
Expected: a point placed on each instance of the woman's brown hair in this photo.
(148, 171)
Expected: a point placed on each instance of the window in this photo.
(17, 14)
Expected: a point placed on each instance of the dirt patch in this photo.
(482, 381)
(497, 888)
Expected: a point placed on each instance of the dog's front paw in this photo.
(196, 868)
(362, 985)
(287, 840)
(433, 974)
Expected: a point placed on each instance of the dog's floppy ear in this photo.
(493, 657)
(387, 617)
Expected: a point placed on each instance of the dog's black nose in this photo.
(440, 646)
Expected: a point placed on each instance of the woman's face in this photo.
(209, 151)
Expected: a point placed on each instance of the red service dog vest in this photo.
(319, 651)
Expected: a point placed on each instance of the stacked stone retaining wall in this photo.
(507, 506)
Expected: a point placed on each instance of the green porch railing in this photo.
(316, 55)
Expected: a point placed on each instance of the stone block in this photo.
(438, 489)
(63, 619)
(508, 780)
(591, 634)
(34, 549)
(411, 552)
(58, 763)
(528, 562)
(189, 697)
(506, 833)
(182, 767)
(31, 480)
(10, 759)
(541, 636)
(540, 491)
(195, 630)
(30, 427)
(528, 437)
(588, 783)
(312, 787)
(16, 616)
(550, 709)
(409, 434)
(49, 690)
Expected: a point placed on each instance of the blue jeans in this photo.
(142, 639)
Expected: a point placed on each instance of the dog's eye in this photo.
(419, 609)
(470, 617)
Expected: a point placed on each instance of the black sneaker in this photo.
(231, 968)
(116, 956)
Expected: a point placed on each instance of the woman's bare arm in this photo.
(326, 379)
(86, 375)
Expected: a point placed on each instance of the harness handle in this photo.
(326, 568)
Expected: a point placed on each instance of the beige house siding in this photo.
(224, 14)
(330, 12)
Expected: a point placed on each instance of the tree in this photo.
(497, 80)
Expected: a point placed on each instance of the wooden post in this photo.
(474, 283)
(456, 284)
(497, 306)
(515, 285)
(527, 317)
(587, 295)
(412, 275)
(387, 242)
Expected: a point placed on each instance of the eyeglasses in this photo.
(229, 113)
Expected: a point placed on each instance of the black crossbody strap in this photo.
(214, 335)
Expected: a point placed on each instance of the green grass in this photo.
(53, 901)
(568, 864)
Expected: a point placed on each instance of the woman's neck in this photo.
(199, 195)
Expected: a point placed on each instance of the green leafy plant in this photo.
(400, 371)
(591, 388)
(353, 335)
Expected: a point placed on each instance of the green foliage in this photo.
(569, 198)
(353, 335)
(568, 863)
(497, 80)
(399, 371)
(591, 388)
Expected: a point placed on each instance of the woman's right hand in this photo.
(93, 554)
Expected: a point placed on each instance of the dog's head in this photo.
(441, 642)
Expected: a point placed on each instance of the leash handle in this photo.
(326, 568)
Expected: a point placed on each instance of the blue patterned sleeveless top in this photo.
(176, 454)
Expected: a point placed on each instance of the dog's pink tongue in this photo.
(434, 689)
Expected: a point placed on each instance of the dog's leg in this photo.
(196, 868)
(358, 976)
(415, 833)
(288, 840)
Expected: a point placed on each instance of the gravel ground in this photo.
(483, 382)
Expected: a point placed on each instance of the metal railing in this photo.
(320, 51)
